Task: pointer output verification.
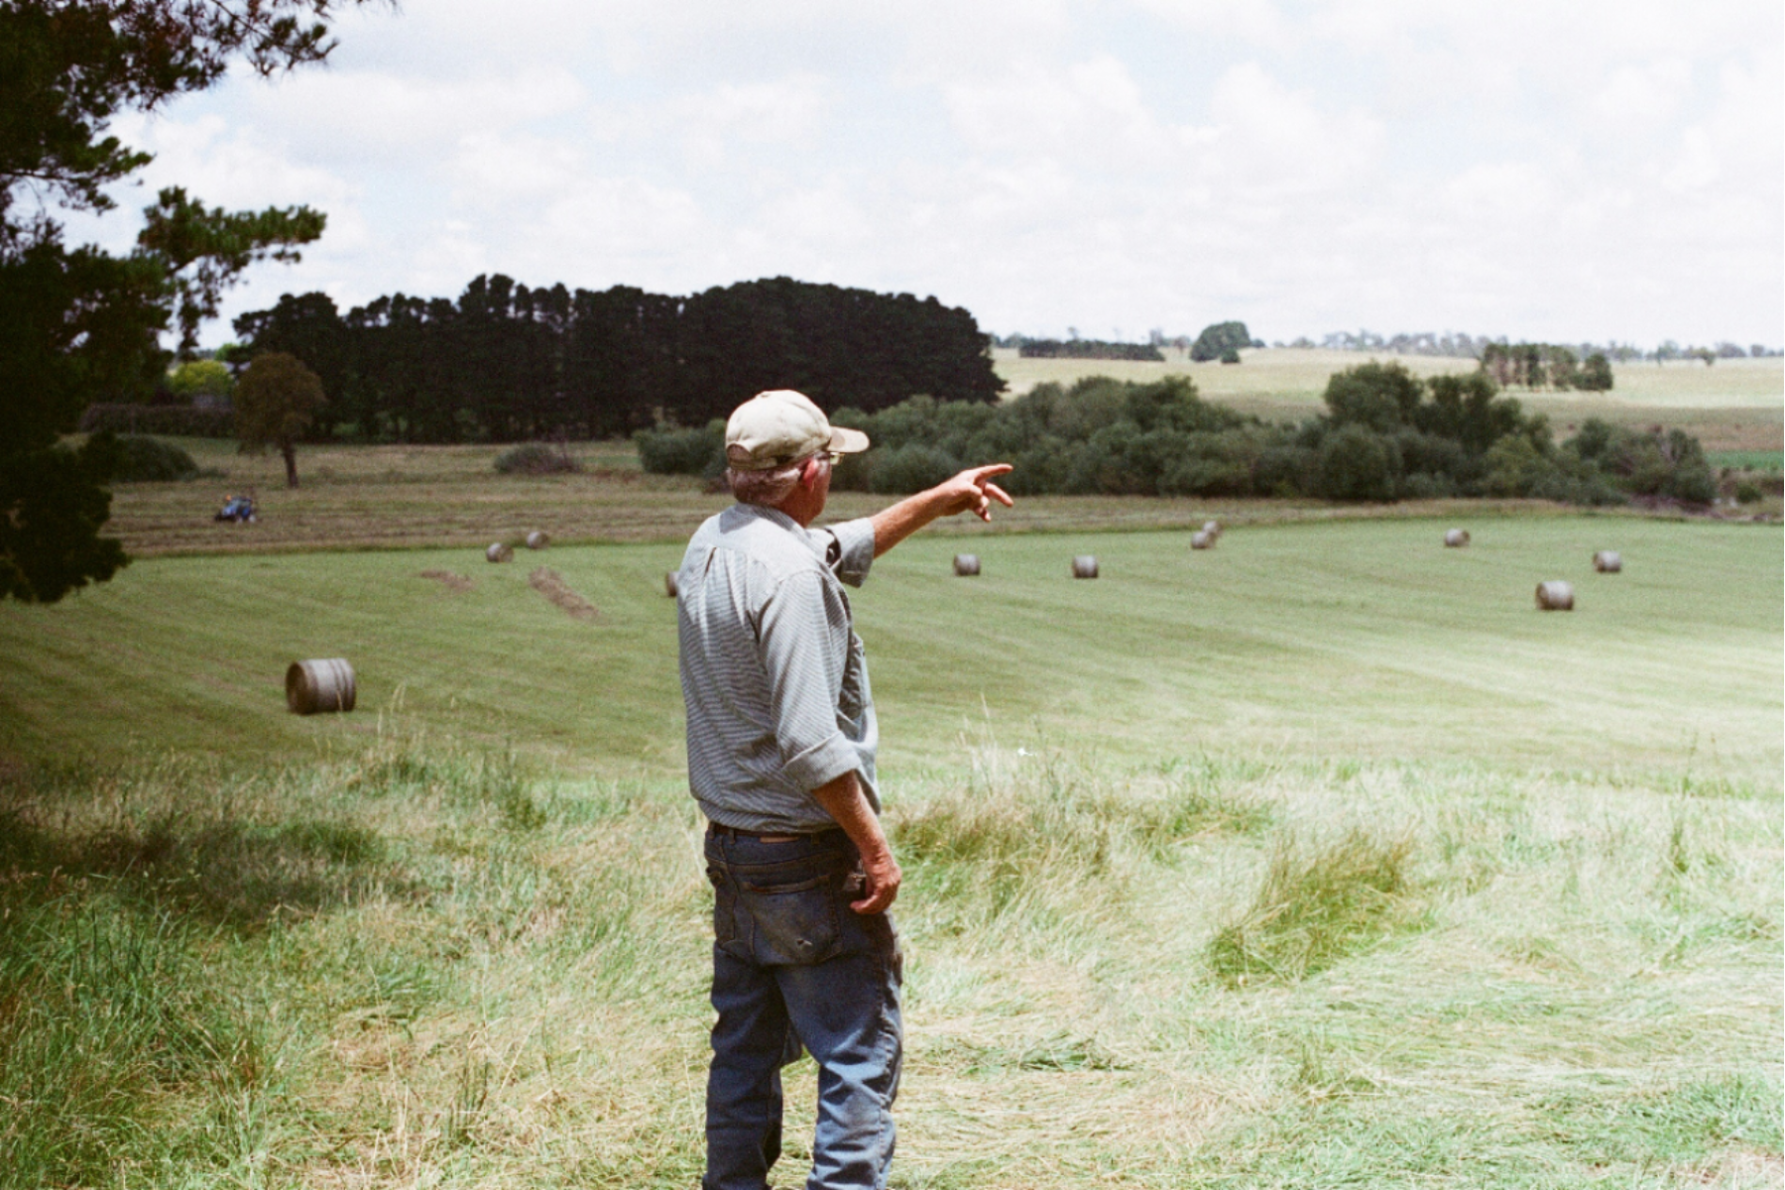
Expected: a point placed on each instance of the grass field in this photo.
(1735, 405)
(1768, 462)
(398, 497)
(1295, 376)
(1360, 638)
(1319, 859)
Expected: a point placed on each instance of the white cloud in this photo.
(1265, 137)
(1090, 110)
(1632, 96)
(384, 118)
(1250, 20)
(1592, 169)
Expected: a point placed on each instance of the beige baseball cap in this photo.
(780, 427)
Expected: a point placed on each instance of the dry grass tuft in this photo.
(1317, 905)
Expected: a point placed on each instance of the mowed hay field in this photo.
(1365, 639)
(1317, 859)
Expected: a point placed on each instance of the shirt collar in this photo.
(774, 516)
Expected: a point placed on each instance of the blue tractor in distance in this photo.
(239, 509)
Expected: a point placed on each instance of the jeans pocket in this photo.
(795, 923)
(725, 924)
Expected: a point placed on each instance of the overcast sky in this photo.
(1578, 170)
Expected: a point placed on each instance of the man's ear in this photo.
(809, 471)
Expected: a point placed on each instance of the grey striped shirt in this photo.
(773, 675)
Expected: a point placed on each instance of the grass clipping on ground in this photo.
(551, 584)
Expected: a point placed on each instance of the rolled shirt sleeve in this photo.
(851, 551)
(797, 641)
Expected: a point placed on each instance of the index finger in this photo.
(981, 474)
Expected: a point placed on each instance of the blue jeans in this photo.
(794, 965)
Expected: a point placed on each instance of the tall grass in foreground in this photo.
(419, 965)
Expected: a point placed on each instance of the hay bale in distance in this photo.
(1084, 566)
(1607, 562)
(669, 583)
(1212, 528)
(499, 551)
(312, 687)
(966, 565)
(1202, 539)
(1555, 595)
(1456, 538)
(538, 539)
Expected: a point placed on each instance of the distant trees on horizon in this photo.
(1385, 434)
(1461, 345)
(1449, 345)
(506, 362)
(1088, 349)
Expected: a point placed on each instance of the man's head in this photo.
(775, 429)
(779, 441)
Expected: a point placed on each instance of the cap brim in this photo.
(845, 441)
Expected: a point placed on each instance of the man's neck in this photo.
(803, 505)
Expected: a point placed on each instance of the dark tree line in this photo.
(507, 363)
(1088, 349)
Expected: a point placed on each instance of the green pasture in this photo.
(1319, 859)
(1748, 460)
(1363, 639)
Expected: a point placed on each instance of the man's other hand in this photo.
(883, 877)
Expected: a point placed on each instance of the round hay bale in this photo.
(500, 552)
(669, 583)
(317, 686)
(1212, 528)
(1607, 562)
(966, 565)
(1456, 538)
(538, 539)
(1084, 566)
(1555, 595)
(1202, 539)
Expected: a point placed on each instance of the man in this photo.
(781, 742)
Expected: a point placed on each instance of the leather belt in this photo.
(719, 828)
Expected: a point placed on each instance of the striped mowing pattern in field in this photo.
(1364, 639)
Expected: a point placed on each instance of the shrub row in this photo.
(142, 459)
(536, 458)
(1386, 435)
(176, 420)
(1089, 349)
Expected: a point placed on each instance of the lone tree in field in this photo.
(275, 401)
(1218, 339)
